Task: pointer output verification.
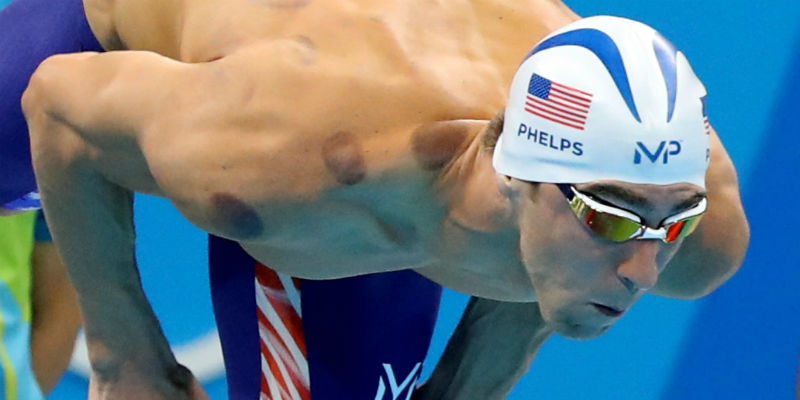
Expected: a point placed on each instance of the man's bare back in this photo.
(197, 31)
(326, 118)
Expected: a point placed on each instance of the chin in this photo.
(579, 330)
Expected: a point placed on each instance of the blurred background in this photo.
(742, 342)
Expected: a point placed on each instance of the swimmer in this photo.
(328, 323)
(332, 141)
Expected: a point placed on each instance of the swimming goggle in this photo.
(620, 225)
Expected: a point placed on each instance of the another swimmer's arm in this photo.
(491, 349)
(91, 219)
(711, 255)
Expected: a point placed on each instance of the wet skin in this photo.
(584, 283)
(328, 152)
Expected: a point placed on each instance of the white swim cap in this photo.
(605, 98)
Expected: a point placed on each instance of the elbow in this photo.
(37, 105)
(694, 292)
(42, 103)
(52, 85)
(719, 269)
(728, 256)
(35, 98)
(707, 269)
(703, 286)
(733, 254)
(34, 95)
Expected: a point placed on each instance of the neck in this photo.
(473, 193)
(479, 236)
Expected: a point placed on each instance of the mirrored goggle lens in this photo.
(682, 228)
(609, 226)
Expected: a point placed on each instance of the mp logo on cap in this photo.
(664, 150)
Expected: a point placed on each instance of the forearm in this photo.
(491, 349)
(97, 242)
(126, 345)
(91, 222)
(127, 348)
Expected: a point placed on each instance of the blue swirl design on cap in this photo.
(666, 54)
(605, 49)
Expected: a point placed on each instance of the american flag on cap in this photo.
(558, 103)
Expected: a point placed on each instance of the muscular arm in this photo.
(126, 346)
(491, 349)
(56, 318)
(711, 255)
(91, 220)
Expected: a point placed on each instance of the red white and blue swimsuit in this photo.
(355, 338)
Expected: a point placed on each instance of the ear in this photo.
(486, 204)
(493, 131)
(507, 186)
(514, 189)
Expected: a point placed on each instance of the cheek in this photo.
(566, 264)
(542, 228)
(560, 268)
(565, 261)
(665, 254)
(564, 248)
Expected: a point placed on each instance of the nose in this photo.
(639, 270)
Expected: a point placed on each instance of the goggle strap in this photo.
(566, 189)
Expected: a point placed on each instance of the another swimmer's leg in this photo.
(492, 347)
(56, 318)
(91, 220)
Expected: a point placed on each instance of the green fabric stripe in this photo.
(16, 247)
